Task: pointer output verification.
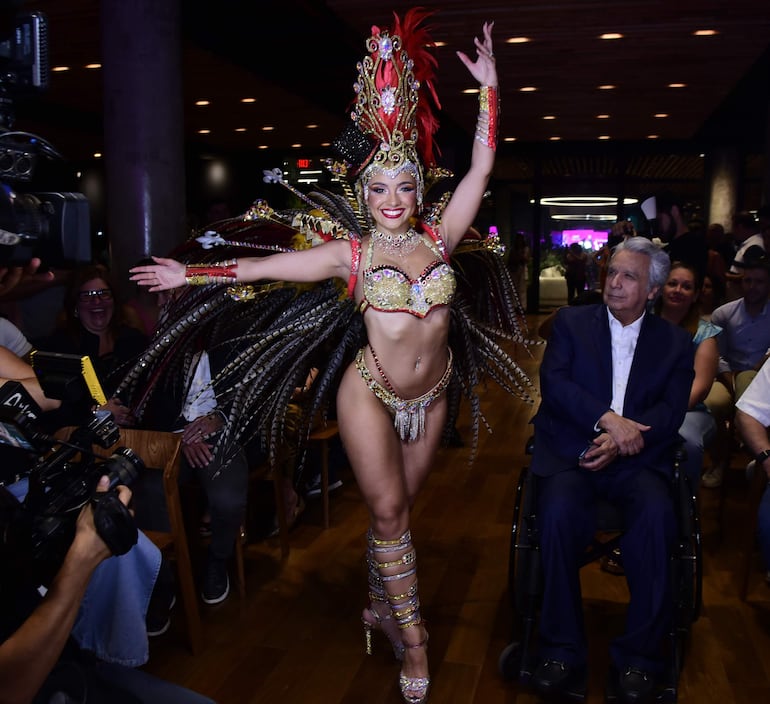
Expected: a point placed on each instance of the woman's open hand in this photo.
(165, 274)
(483, 69)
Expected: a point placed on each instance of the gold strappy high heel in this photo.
(405, 606)
(371, 618)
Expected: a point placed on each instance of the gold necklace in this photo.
(400, 245)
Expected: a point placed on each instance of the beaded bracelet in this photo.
(214, 273)
(489, 108)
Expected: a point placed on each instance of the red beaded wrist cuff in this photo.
(489, 109)
(214, 273)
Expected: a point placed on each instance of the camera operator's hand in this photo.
(11, 277)
(86, 538)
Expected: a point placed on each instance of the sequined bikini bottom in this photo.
(409, 414)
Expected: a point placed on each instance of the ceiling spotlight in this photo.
(611, 35)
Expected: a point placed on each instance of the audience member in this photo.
(221, 469)
(752, 419)
(720, 253)
(745, 234)
(575, 264)
(743, 345)
(14, 339)
(683, 244)
(712, 295)
(615, 384)
(678, 304)
(93, 323)
(518, 264)
(763, 218)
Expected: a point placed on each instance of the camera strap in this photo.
(114, 523)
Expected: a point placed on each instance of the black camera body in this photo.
(37, 529)
(52, 225)
(60, 483)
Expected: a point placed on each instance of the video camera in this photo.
(54, 226)
(37, 528)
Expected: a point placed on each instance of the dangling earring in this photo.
(76, 313)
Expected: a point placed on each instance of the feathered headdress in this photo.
(392, 119)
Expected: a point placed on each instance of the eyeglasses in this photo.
(103, 294)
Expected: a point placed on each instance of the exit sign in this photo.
(303, 163)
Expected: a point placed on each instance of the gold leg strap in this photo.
(390, 555)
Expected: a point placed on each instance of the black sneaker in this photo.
(216, 582)
(162, 600)
(158, 623)
(314, 489)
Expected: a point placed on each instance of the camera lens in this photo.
(123, 467)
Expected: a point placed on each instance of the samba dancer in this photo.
(391, 400)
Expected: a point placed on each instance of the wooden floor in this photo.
(296, 637)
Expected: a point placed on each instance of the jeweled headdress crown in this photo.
(393, 123)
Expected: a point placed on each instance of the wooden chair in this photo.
(160, 451)
(322, 435)
(756, 490)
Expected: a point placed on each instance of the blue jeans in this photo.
(698, 430)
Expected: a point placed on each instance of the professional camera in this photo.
(36, 531)
(52, 225)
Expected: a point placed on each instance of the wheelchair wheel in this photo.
(516, 528)
(509, 662)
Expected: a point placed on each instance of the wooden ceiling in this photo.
(297, 58)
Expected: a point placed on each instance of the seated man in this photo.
(615, 384)
(221, 471)
(743, 346)
(752, 418)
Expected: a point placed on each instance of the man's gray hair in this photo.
(660, 264)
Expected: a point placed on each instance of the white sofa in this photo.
(553, 287)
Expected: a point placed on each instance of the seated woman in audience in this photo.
(92, 323)
(678, 304)
(712, 295)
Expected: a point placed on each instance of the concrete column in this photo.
(143, 130)
(723, 186)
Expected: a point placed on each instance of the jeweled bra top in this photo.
(388, 288)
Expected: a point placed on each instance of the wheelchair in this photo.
(525, 579)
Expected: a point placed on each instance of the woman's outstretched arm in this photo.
(464, 205)
(329, 260)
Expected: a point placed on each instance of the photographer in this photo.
(89, 628)
(38, 658)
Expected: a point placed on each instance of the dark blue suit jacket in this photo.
(576, 388)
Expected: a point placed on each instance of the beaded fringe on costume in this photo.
(408, 414)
